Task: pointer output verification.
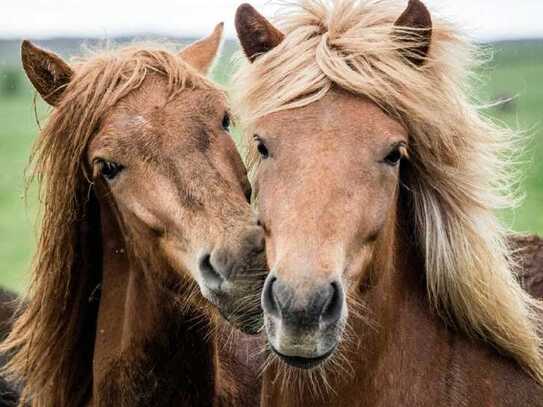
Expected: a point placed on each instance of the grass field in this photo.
(516, 70)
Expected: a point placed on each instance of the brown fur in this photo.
(114, 315)
(410, 359)
(48, 73)
(434, 312)
(8, 306)
(416, 16)
(162, 346)
(258, 36)
(8, 392)
(528, 251)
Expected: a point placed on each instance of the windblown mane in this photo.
(459, 171)
(52, 341)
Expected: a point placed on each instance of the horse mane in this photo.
(459, 171)
(51, 343)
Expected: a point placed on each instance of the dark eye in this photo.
(262, 149)
(109, 170)
(394, 157)
(226, 122)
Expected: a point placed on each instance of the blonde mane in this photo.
(461, 172)
(52, 340)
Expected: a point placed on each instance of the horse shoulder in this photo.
(479, 376)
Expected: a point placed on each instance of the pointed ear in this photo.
(417, 16)
(201, 54)
(47, 71)
(256, 34)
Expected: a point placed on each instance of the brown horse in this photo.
(8, 301)
(146, 223)
(391, 281)
(8, 393)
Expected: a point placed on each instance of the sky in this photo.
(482, 20)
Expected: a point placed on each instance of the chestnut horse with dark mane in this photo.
(391, 281)
(147, 235)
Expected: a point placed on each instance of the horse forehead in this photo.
(130, 137)
(336, 116)
(169, 122)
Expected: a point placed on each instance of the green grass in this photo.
(17, 232)
(517, 70)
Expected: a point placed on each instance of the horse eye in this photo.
(262, 149)
(109, 170)
(394, 157)
(226, 122)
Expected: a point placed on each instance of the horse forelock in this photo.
(460, 160)
(46, 339)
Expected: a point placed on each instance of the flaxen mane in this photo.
(459, 170)
(52, 341)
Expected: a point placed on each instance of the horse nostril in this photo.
(211, 277)
(269, 303)
(331, 311)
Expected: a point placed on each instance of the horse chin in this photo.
(303, 347)
(305, 363)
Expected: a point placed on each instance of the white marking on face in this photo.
(139, 120)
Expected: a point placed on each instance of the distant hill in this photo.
(67, 47)
(519, 51)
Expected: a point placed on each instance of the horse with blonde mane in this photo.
(147, 235)
(391, 282)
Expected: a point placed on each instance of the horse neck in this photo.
(145, 348)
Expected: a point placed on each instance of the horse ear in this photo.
(416, 16)
(47, 71)
(256, 34)
(201, 54)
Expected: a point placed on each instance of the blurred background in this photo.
(511, 33)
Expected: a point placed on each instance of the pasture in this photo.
(516, 71)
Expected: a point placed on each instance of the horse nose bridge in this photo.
(310, 219)
(323, 178)
(227, 220)
(303, 261)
